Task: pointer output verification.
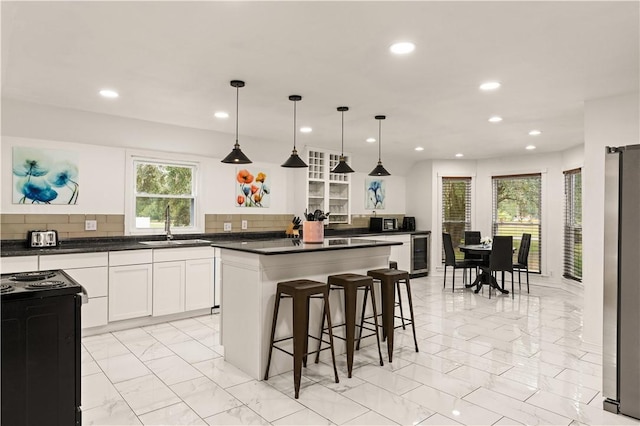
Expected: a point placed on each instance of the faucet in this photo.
(167, 223)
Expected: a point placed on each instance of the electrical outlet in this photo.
(245, 224)
(90, 225)
(227, 226)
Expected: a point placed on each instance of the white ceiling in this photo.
(172, 62)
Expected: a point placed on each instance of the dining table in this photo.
(485, 276)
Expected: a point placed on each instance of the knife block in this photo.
(313, 231)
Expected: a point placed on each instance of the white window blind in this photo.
(573, 224)
(516, 210)
(456, 209)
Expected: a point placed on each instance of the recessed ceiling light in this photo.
(535, 133)
(495, 119)
(402, 48)
(455, 412)
(459, 155)
(371, 140)
(306, 129)
(419, 148)
(221, 114)
(489, 85)
(530, 147)
(108, 93)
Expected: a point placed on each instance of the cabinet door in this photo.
(401, 254)
(130, 291)
(199, 285)
(18, 264)
(168, 287)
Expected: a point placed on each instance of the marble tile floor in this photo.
(498, 361)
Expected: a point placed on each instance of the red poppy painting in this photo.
(252, 188)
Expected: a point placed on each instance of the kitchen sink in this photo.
(174, 242)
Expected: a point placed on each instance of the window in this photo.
(516, 210)
(159, 184)
(573, 224)
(456, 209)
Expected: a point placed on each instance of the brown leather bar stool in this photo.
(390, 280)
(351, 283)
(301, 291)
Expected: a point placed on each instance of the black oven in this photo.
(40, 349)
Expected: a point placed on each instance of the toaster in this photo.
(42, 238)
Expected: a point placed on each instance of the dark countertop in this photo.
(9, 248)
(295, 245)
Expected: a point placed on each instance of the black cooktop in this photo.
(37, 284)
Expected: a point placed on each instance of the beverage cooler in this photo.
(420, 244)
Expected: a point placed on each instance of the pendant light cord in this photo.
(379, 141)
(237, 111)
(294, 125)
(342, 147)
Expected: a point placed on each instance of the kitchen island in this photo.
(251, 271)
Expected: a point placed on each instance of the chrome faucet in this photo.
(167, 223)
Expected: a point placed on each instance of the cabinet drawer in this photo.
(68, 261)
(18, 264)
(186, 253)
(130, 257)
(94, 280)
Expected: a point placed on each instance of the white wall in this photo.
(613, 121)
(551, 168)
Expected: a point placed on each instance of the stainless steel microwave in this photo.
(381, 224)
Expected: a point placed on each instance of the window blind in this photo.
(573, 224)
(456, 209)
(516, 210)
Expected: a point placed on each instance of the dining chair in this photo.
(523, 259)
(450, 260)
(501, 259)
(471, 238)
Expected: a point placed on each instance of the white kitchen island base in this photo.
(249, 281)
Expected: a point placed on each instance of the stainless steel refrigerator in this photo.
(621, 342)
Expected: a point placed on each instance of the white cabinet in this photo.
(18, 264)
(168, 287)
(400, 254)
(183, 279)
(90, 271)
(326, 191)
(130, 284)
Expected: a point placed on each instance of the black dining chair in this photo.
(472, 238)
(501, 259)
(450, 260)
(523, 259)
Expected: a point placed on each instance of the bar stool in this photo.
(390, 280)
(393, 264)
(301, 291)
(351, 283)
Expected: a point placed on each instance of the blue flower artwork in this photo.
(42, 176)
(374, 193)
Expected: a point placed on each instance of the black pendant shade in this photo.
(294, 161)
(236, 156)
(342, 166)
(379, 170)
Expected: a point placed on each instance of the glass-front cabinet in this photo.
(327, 191)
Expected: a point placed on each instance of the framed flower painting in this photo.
(45, 176)
(252, 188)
(374, 193)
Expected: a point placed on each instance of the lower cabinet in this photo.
(168, 287)
(130, 284)
(183, 279)
(400, 254)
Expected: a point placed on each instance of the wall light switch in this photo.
(227, 226)
(90, 225)
(245, 225)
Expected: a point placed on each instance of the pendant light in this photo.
(294, 161)
(379, 170)
(342, 166)
(236, 156)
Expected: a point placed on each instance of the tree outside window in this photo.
(162, 184)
